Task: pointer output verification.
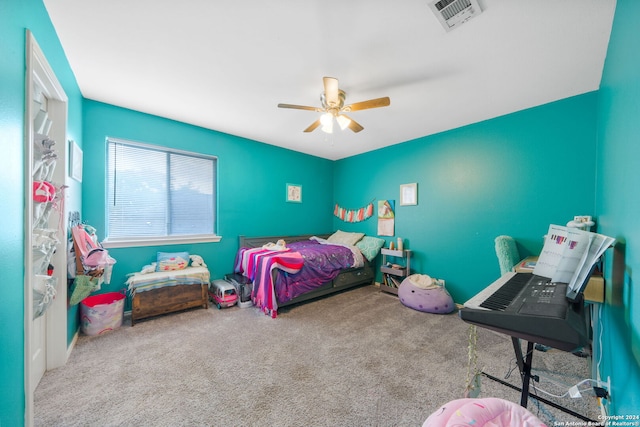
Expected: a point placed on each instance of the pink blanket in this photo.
(257, 264)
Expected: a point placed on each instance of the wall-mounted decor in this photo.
(409, 194)
(75, 161)
(353, 215)
(386, 217)
(294, 193)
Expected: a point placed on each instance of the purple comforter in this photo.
(322, 263)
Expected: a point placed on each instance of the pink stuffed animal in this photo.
(486, 412)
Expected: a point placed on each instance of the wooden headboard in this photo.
(257, 242)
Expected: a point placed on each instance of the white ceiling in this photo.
(226, 64)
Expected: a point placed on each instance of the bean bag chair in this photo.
(486, 412)
(422, 293)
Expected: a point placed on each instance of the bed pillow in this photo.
(169, 261)
(370, 246)
(344, 238)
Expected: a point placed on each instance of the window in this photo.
(157, 195)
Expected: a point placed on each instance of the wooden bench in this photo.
(168, 300)
(160, 293)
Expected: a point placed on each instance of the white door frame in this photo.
(40, 74)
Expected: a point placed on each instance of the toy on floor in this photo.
(423, 293)
(222, 293)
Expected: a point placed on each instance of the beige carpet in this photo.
(359, 358)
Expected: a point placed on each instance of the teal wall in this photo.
(618, 206)
(252, 179)
(512, 175)
(16, 16)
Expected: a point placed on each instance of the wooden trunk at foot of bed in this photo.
(169, 299)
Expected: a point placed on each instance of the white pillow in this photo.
(345, 238)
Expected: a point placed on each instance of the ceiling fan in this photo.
(332, 100)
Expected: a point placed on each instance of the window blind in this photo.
(157, 192)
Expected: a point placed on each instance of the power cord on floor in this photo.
(573, 391)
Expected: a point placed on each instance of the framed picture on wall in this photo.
(409, 194)
(75, 161)
(386, 217)
(294, 193)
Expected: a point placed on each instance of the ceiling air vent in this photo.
(453, 13)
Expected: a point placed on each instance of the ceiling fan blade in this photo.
(313, 126)
(353, 125)
(372, 103)
(300, 107)
(331, 91)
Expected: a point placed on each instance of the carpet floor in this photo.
(358, 358)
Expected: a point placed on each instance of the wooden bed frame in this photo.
(347, 279)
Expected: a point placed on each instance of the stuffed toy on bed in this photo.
(486, 412)
(197, 261)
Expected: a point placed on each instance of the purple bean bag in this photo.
(423, 293)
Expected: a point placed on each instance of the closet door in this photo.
(43, 242)
(45, 226)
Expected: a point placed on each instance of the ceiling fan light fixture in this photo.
(327, 122)
(333, 100)
(343, 122)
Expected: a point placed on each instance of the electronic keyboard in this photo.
(531, 307)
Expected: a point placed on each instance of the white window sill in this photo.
(159, 241)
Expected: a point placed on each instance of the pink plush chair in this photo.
(486, 412)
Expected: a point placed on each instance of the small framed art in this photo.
(409, 194)
(75, 161)
(294, 193)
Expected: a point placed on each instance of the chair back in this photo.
(507, 252)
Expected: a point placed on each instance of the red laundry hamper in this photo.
(101, 313)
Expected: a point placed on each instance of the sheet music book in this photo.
(569, 254)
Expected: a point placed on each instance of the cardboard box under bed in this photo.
(163, 292)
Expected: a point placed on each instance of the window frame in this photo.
(137, 241)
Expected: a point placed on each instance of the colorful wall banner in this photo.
(353, 215)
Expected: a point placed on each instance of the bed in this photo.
(282, 278)
(162, 292)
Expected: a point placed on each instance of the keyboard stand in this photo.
(524, 363)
